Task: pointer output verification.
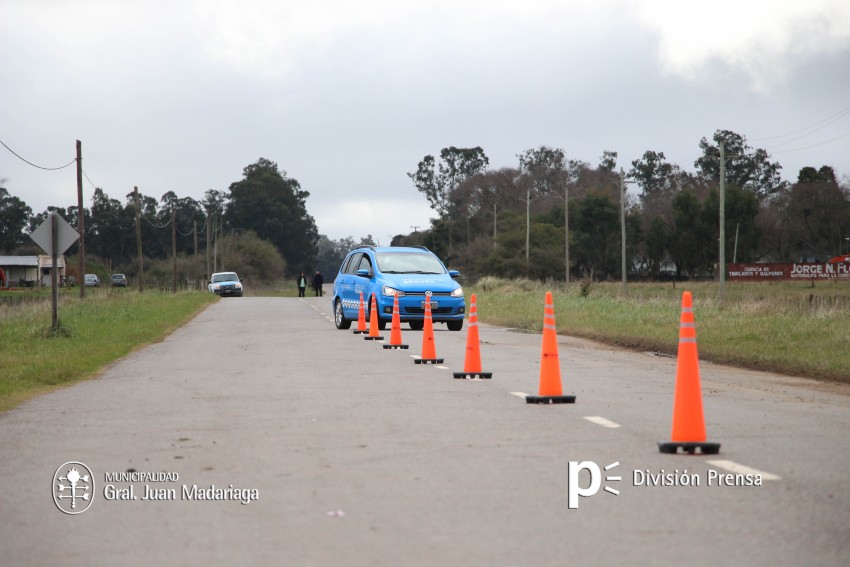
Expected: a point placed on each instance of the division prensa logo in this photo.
(73, 488)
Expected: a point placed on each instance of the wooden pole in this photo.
(173, 251)
(54, 271)
(139, 239)
(721, 264)
(81, 219)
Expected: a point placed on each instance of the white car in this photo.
(225, 283)
(91, 280)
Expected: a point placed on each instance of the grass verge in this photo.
(789, 329)
(92, 333)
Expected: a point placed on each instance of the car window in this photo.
(365, 264)
(224, 277)
(409, 263)
(353, 262)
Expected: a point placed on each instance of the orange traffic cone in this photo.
(429, 352)
(472, 363)
(373, 322)
(688, 421)
(361, 318)
(550, 366)
(395, 330)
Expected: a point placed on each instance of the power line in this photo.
(844, 135)
(34, 165)
(86, 175)
(813, 127)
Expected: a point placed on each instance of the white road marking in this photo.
(446, 367)
(602, 421)
(519, 394)
(415, 356)
(736, 468)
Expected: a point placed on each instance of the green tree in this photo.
(275, 207)
(742, 208)
(749, 169)
(257, 261)
(110, 233)
(691, 242)
(817, 215)
(438, 181)
(14, 217)
(596, 234)
(652, 173)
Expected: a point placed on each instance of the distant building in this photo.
(29, 271)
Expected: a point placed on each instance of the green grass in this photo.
(787, 328)
(92, 333)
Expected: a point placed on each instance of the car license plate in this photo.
(433, 305)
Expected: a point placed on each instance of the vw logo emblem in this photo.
(428, 294)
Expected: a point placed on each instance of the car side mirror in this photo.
(454, 274)
(362, 273)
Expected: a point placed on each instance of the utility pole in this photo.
(527, 228)
(139, 239)
(81, 218)
(216, 227)
(173, 250)
(195, 238)
(208, 245)
(722, 256)
(623, 228)
(54, 269)
(567, 230)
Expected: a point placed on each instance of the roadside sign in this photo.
(66, 235)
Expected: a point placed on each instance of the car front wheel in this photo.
(416, 325)
(454, 325)
(339, 316)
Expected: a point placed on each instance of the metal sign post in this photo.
(54, 236)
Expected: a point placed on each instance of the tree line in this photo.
(259, 227)
(550, 212)
(549, 217)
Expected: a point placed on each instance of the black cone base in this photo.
(472, 374)
(368, 338)
(356, 332)
(691, 448)
(428, 360)
(550, 399)
(396, 346)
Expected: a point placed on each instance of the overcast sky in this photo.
(347, 97)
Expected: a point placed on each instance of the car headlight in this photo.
(216, 286)
(458, 292)
(391, 291)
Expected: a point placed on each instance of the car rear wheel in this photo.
(339, 316)
(454, 325)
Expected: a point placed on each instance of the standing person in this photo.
(318, 280)
(302, 284)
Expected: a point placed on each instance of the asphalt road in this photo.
(349, 454)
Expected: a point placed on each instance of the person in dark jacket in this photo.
(302, 284)
(318, 280)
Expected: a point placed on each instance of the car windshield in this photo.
(409, 263)
(231, 277)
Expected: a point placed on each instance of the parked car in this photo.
(225, 283)
(118, 280)
(413, 274)
(91, 280)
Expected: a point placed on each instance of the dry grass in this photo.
(791, 329)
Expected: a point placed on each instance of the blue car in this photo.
(414, 274)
